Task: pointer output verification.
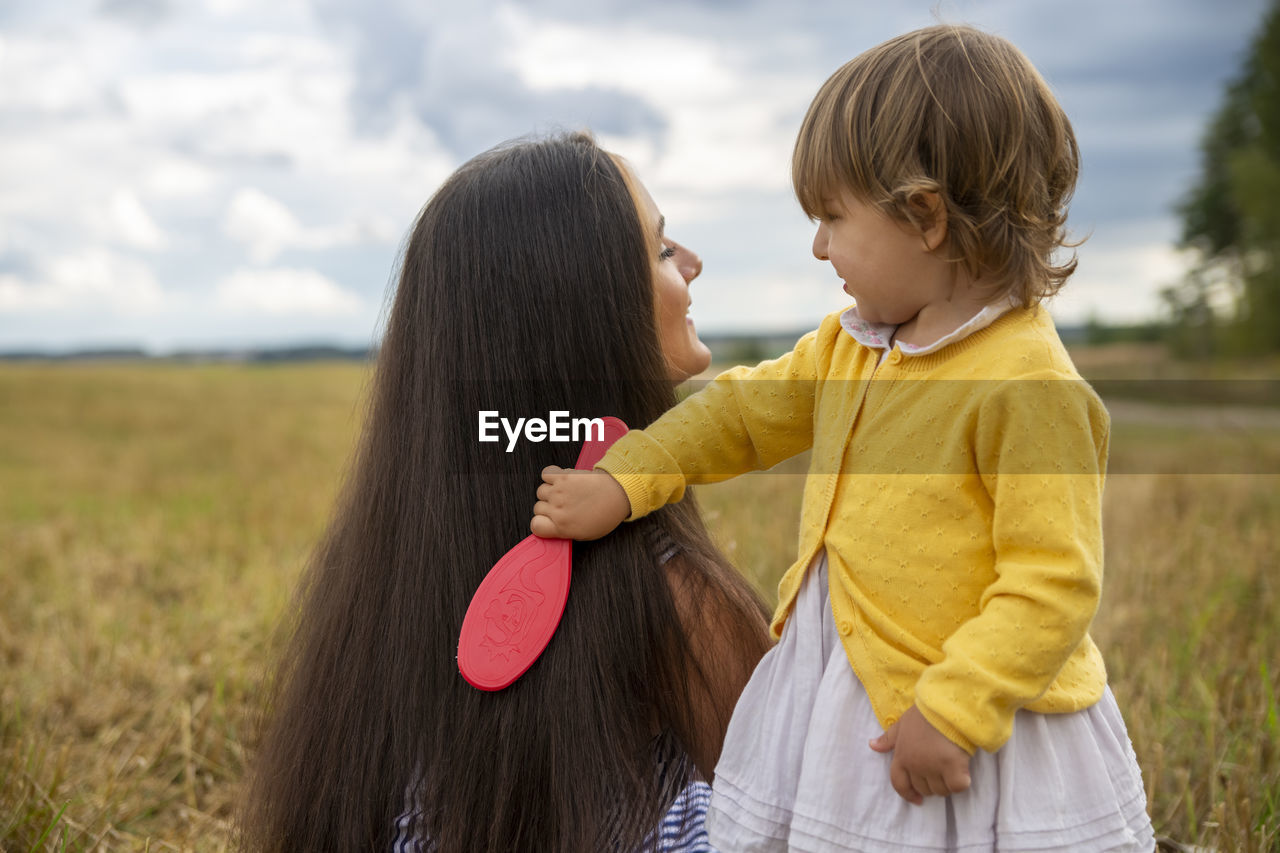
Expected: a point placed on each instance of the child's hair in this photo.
(958, 112)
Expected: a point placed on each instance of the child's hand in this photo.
(925, 762)
(578, 504)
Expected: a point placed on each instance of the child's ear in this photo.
(931, 216)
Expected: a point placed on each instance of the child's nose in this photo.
(820, 243)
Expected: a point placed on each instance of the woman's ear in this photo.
(931, 218)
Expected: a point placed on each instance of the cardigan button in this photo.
(895, 356)
(845, 627)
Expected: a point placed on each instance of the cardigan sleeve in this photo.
(746, 419)
(1041, 446)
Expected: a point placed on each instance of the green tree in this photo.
(1232, 215)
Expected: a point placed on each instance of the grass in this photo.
(153, 519)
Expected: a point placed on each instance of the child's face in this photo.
(886, 266)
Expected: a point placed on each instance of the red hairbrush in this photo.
(518, 605)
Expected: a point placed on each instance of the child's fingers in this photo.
(586, 506)
(901, 781)
(542, 526)
(957, 780)
(933, 785)
(886, 741)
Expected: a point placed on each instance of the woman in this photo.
(537, 279)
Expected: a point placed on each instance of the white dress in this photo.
(796, 772)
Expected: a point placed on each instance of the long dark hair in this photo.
(525, 288)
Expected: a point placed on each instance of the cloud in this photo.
(44, 83)
(284, 292)
(552, 56)
(90, 280)
(450, 67)
(268, 227)
(178, 177)
(729, 115)
(262, 222)
(140, 13)
(132, 224)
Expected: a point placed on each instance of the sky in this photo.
(230, 173)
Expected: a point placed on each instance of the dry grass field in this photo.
(154, 517)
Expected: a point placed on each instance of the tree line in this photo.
(1229, 303)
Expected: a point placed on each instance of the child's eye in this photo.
(667, 252)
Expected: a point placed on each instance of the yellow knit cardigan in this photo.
(958, 497)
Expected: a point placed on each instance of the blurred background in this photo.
(201, 209)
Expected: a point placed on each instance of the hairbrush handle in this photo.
(518, 605)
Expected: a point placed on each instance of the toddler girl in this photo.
(935, 686)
